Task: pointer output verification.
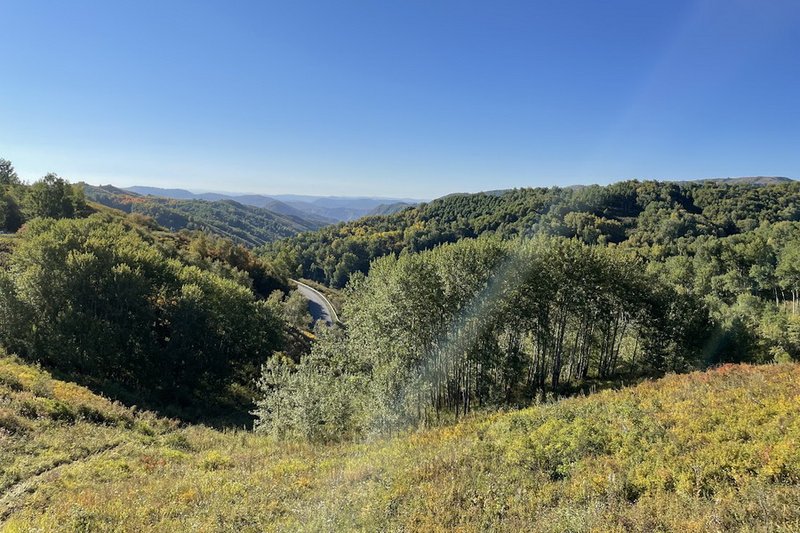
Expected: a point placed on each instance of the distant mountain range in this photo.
(255, 219)
(751, 180)
(317, 209)
(250, 219)
(247, 224)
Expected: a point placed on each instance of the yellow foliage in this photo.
(713, 451)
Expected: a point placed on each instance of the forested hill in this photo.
(252, 226)
(606, 286)
(660, 218)
(180, 322)
(322, 209)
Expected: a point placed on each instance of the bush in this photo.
(11, 423)
(94, 297)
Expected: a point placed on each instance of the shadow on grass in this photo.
(222, 409)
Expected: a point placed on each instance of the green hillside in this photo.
(662, 218)
(452, 397)
(249, 225)
(389, 209)
(713, 451)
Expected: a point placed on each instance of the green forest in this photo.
(495, 300)
(658, 219)
(244, 224)
(180, 321)
(529, 339)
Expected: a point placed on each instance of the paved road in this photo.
(318, 305)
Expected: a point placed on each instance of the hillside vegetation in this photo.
(657, 218)
(178, 322)
(93, 297)
(482, 324)
(713, 451)
(589, 283)
(452, 397)
(246, 224)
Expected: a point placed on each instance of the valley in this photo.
(594, 358)
(406, 267)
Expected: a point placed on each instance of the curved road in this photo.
(319, 306)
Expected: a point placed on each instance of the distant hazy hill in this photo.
(746, 180)
(247, 224)
(177, 194)
(318, 209)
(254, 200)
(757, 180)
(390, 209)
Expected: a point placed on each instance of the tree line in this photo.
(660, 215)
(50, 196)
(179, 320)
(481, 324)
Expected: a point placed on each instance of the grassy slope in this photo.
(712, 451)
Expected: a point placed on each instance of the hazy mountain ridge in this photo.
(318, 209)
(745, 180)
(246, 224)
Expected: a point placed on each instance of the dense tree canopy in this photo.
(674, 276)
(97, 297)
(50, 196)
(664, 217)
(53, 197)
(8, 176)
(482, 323)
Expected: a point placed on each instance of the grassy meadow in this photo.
(707, 451)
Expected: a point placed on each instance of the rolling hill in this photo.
(319, 209)
(710, 451)
(630, 212)
(246, 224)
(390, 209)
(253, 200)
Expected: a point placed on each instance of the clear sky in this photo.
(399, 98)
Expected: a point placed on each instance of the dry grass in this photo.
(714, 451)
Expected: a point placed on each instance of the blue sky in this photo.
(406, 98)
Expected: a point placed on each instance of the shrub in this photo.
(11, 423)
